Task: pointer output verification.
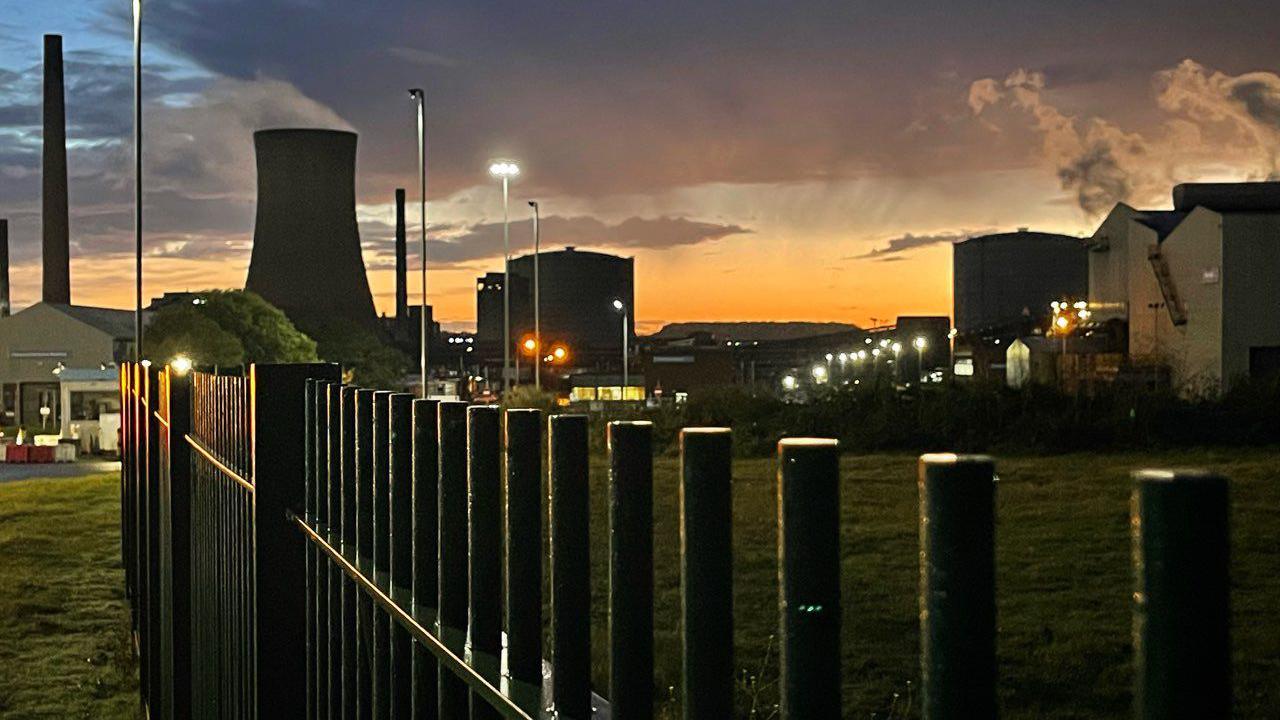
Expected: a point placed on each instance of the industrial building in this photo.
(1195, 285)
(306, 245)
(577, 291)
(1006, 281)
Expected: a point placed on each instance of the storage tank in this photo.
(1009, 279)
(577, 292)
(306, 246)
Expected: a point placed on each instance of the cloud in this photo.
(1213, 124)
(482, 241)
(894, 247)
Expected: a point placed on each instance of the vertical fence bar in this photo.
(706, 571)
(381, 552)
(333, 474)
(350, 605)
(152, 654)
(364, 550)
(452, 547)
(809, 578)
(277, 679)
(309, 514)
(957, 587)
(180, 526)
(484, 542)
(631, 570)
(426, 471)
(570, 567)
(400, 559)
(1182, 609)
(320, 566)
(524, 557)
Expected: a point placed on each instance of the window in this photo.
(582, 394)
(89, 405)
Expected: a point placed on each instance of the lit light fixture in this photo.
(180, 364)
(844, 357)
(504, 168)
(617, 305)
(920, 342)
(820, 373)
(789, 382)
(875, 352)
(897, 348)
(829, 356)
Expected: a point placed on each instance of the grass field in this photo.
(64, 648)
(1063, 584)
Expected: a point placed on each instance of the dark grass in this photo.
(64, 647)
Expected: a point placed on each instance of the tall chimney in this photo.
(4, 267)
(57, 271)
(402, 287)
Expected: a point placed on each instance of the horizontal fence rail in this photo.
(296, 547)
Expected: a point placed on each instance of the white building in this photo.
(1197, 285)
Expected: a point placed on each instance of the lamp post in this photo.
(622, 308)
(420, 97)
(504, 170)
(920, 344)
(137, 176)
(537, 309)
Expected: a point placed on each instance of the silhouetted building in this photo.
(1195, 286)
(55, 227)
(489, 312)
(306, 245)
(1006, 281)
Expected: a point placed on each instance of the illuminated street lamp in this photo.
(820, 373)
(504, 170)
(137, 175)
(920, 344)
(180, 364)
(897, 366)
(622, 308)
(789, 382)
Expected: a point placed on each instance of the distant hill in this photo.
(763, 331)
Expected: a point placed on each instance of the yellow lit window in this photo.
(582, 394)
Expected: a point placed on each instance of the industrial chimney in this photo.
(306, 246)
(4, 267)
(57, 271)
(402, 287)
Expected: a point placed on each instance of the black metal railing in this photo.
(353, 553)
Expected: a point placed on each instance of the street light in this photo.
(820, 373)
(920, 344)
(504, 170)
(537, 310)
(419, 96)
(137, 175)
(180, 364)
(622, 308)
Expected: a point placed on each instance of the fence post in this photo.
(179, 504)
(309, 515)
(426, 471)
(631, 570)
(809, 578)
(570, 568)
(381, 552)
(452, 548)
(278, 423)
(484, 543)
(400, 560)
(364, 549)
(318, 497)
(151, 649)
(333, 514)
(1181, 611)
(957, 587)
(706, 572)
(524, 557)
(350, 544)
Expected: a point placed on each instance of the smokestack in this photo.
(57, 270)
(4, 268)
(402, 288)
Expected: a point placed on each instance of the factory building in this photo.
(1195, 285)
(578, 288)
(1006, 281)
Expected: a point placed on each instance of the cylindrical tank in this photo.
(306, 245)
(577, 293)
(1228, 197)
(1010, 278)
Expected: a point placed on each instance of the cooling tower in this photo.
(402, 265)
(57, 272)
(306, 246)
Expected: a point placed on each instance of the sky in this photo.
(761, 161)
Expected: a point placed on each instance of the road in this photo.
(22, 471)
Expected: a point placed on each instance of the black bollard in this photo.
(426, 471)
(631, 570)
(524, 556)
(452, 544)
(570, 567)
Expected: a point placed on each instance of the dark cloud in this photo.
(895, 246)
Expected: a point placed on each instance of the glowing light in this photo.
(559, 353)
(829, 357)
(844, 357)
(920, 342)
(789, 382)
(504, 169)
(884, 343)
(617, 305)
(180, 364)
(875, 352)
(897, 348)
(820, 373)
(1062, 322)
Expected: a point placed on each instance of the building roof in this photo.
(116, 323)
(88, 374)
(1162, 221)
(1021, 234)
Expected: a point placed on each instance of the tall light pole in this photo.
(622, 308)
(504, 170)
(137, 177)
(418, 95)
(537, 308)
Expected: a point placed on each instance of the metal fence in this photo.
(295, 547)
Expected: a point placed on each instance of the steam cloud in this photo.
(1217, 126)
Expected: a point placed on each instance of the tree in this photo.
(227, 327)
(369, 361)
